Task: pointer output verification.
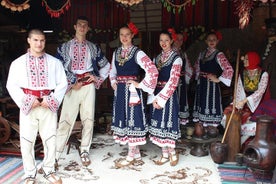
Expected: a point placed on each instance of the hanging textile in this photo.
(56, 8)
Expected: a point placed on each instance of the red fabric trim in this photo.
(37, 93)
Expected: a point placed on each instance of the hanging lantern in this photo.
(15, 7)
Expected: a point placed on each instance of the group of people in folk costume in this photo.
(39, 83)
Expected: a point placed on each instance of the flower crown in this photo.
(133, 28)
(173, 34)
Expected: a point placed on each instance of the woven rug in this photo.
(233, 174)
(11, 169)
(104, 153)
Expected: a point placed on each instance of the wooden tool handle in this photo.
(234, 97)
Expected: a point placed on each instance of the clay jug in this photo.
(218, 151)
(260, 153)
(199, 130)
(212, 131)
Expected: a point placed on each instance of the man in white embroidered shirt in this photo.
(37, 83)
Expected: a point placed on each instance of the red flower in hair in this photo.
(173, 34)
(219, 35)
(185, 36)
(133, 28)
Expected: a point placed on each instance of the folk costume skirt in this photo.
(164, 126)
(208, 103)
(128, 121)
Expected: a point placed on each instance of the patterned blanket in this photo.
(267, 107)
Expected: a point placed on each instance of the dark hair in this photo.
(35, 31)
(132, 27)
(212, 32)
(82, 17)
(216, 33)
(167, 33)
(123, 26)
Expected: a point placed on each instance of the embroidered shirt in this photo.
(36, 73)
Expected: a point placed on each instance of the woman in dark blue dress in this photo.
(164, 121)
(211, 68)
(129, 120)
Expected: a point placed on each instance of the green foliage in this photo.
(176, 8)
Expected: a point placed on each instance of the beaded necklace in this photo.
(163, 59)
(123, 58)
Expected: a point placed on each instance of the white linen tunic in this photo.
(37, 73)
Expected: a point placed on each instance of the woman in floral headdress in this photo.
(129, 120)
(164, 121)
(211, 68)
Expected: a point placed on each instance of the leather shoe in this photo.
(30, 181)
(85, 159)
(40, 170)
(162, 161)
(53, 178)
(174, 159)
(124, 162)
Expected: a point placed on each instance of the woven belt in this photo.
(83, 78)
(37, 93)
(79, 76)
(125, 79)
